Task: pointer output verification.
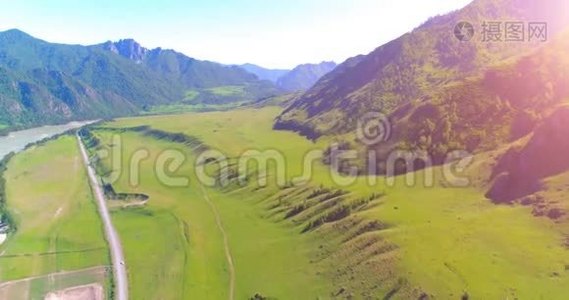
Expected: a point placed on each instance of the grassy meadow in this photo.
(319, 240)
(174, 248)
(58, 226)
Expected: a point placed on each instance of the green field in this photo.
(58, 228)
(38, 287)
(413, 241)
(191, 102)
(186, 108)
(176, 248)
(228, 90)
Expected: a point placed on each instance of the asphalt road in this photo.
(117, 256)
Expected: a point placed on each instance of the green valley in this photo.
(433, 167)
(408, 241)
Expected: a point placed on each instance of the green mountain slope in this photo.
(505, 104)
(482, 113)
(45, 83)
(404, 70)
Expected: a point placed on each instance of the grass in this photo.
(58, 226)
(228, 90)
(439, 241)
(220, 98)
(186, 108)
(191, 95)
(177, 249)
(455, 240)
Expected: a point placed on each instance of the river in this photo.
(16, 141)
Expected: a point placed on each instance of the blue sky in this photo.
(276, 34)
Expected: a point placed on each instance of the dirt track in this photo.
(225, 243)
(88, 292)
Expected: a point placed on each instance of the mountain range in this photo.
(44, 83)
(301, 78)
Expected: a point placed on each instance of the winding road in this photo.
(117, 256)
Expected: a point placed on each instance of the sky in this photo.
(270, 33)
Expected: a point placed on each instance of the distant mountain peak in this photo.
(14, 31)
(305, 76)
(15, 34)
(263, 73)
(323, 63)
(128, 48)
(300, 78)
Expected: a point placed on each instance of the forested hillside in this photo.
(42, 83)
(406, 69)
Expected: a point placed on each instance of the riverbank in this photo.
(6, 221)
(16, 141)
